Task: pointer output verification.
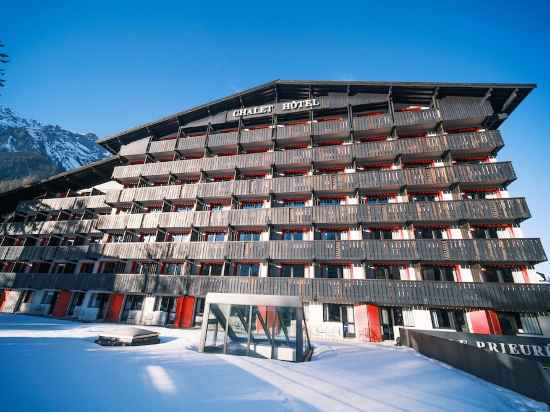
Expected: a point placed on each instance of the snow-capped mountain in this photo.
(65, 149)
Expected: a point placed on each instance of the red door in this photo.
(61, 304)
(115, 307)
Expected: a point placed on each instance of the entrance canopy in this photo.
(264, 326)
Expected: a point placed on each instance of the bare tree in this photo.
(4, 60)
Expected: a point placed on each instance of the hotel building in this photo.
(381, 204)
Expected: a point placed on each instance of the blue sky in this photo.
(106, 66)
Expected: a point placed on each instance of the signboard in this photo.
(530, 347)
(292, 106)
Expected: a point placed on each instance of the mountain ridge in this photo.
(31, 150)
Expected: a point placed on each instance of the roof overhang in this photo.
(504, 97)
(75, 179)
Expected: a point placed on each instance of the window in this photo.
(150, 238)
(448, 319)
(211, 269)
(163, 303)
(428, 233)
(292, 203)
(332, 312)
(48, 297)
(376, 200)
(422, 197)
(216, 208)
(215, 237)
(27, 296)
(97, 300)
(251, 205)
(133, 302)
(293, 235)
(519, 323)
(440, 319)
(249, 236)
(329, 202)
(495, 275)
(383, 272)
(173, 269)
(113, 267)
(438, 273)
(474, 195)
(331, 234)
(184, 208)
(485, 233)
(378, 234)
(292, 271)
(87, 267)
(248, 269)
(331, 271)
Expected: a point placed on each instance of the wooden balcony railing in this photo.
(370, 151)
(401, 293)
(434, 178)
(510, 210)
(63, 203)
(525, 251)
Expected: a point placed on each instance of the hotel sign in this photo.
(529, 347)
(292, 106)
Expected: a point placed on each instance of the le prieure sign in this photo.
(534, 348)
(292, 106)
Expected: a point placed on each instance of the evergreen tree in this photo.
(4, 60)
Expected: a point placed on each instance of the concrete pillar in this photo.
(264, 269)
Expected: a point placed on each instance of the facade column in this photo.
(185, 309)
(484, 321)
(367, 323)
(61, 304)
(115, 307)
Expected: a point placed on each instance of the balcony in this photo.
(436, 178)
(96, 202)
(451, 212)
(163, 147)
(478, 143)
(298, 132)
(463, 112)
(191, 145)
(408, 121)
(331, 128)
(524, 251)
(217, 141)
(136, 149)
(255, 137)
(373, 125)
(426, 294)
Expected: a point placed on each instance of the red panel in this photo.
(3, 297)
(188, 311)
(375, 331)
(367, 323)
(179, 312)
(485, 321)
(115, 307)
(61, 304)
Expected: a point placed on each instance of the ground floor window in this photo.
(448, 319)
(48, 297)
(163, 303)
(519, 323)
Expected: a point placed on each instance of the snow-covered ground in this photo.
(53, 365)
